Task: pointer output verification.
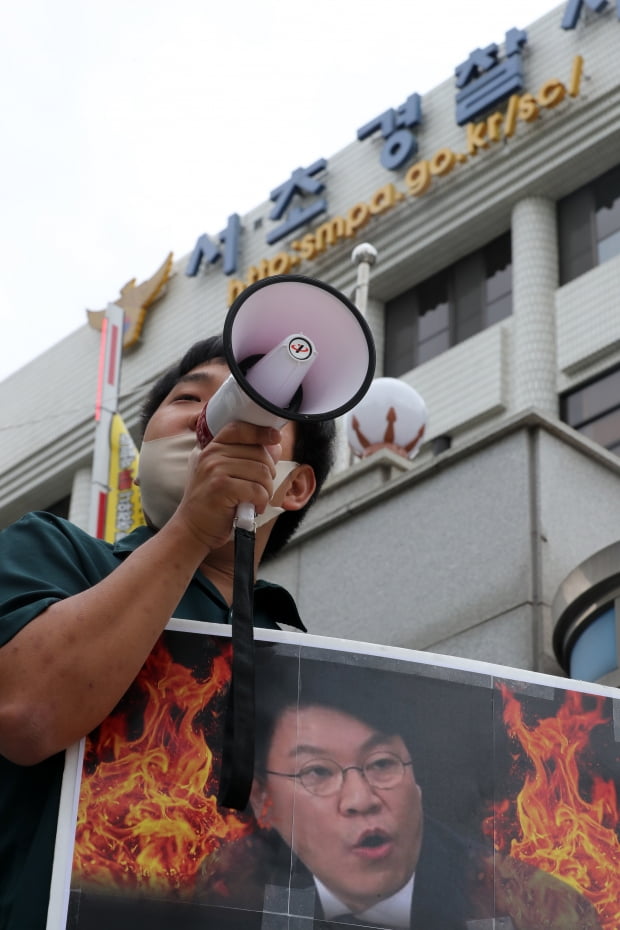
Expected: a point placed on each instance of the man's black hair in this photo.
(284, 682)
(314, 439)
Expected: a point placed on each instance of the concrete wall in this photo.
(462, 555)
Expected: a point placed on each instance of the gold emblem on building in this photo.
(135, 301)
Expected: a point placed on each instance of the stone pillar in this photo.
(535, 280)
(80, 498)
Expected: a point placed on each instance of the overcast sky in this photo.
(132, 126)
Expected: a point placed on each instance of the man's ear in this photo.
(260, 804)
(298, 488)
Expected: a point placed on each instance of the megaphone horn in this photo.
(297, 349)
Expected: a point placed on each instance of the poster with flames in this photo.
(392, 789)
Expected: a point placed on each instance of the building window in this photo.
(594, 410)
(594, 651)
(448, 308)
(589, 226)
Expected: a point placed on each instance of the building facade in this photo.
(494, 205)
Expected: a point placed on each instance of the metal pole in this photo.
(364, 256)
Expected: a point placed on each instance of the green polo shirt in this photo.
(44, 559)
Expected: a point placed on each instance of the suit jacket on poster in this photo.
(459, 885)
(444, 875)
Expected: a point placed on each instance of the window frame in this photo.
(402, 314)
(583, 423)
(579, 236)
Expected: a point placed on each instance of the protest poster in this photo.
(392, 789)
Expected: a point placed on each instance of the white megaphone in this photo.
(297, 349)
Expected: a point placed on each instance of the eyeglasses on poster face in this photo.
(324, 777)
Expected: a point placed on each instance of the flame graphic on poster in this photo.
(148, 818)
(564, 819)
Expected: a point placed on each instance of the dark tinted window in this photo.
(594, 410)
(449, 307)
(589, 226)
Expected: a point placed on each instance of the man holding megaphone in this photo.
(79, 616)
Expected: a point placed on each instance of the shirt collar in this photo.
(270, 600)
(393, 912)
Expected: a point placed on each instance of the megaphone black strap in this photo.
(238, 748)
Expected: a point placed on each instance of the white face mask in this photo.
(162, 474)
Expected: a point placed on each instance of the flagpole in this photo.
(106, 405)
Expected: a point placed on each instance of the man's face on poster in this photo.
(361, 834)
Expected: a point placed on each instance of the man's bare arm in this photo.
(65, 671)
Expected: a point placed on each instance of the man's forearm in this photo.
(65, 671)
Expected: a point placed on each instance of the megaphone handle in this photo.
(246, 517)
(237, 769)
